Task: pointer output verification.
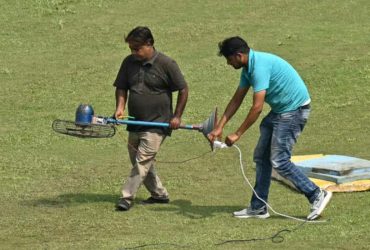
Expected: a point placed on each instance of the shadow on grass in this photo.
(66, 200)
(182, 207)
(186, 208)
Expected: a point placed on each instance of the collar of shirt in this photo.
(151, 60)
(250, 62)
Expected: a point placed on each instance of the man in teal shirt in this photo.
(277, 83)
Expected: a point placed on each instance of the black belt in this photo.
(307, 106)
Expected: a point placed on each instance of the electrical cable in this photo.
(186, 160)
(277, 237)
(166, 162)
(255, 193)
(155, 244)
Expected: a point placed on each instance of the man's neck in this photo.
(245, 60)
(151, 57)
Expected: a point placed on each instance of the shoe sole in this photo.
(258, 216)
(325, 202)
(155, 201)
(122, 208)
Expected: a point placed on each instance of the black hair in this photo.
(141, 35)
(233, 45)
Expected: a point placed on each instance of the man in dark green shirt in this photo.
(146, 81)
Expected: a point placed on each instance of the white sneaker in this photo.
(319, 204)
(248, 212)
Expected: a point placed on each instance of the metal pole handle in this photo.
(154, 124)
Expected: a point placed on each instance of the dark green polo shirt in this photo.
(150, 85)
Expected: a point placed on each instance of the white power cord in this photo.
(218, 144)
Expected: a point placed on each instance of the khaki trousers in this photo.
(142, 148)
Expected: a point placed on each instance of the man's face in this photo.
(235, 60)
(140, 51)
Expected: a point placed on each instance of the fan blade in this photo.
(84, 131)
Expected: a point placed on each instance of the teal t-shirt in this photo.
(285, 89)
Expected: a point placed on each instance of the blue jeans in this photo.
(279, 132)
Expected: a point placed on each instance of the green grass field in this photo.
(59, 192)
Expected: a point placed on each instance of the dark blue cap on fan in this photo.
(84, 114)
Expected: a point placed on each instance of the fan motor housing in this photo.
(84, 114)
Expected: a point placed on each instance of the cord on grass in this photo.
(276, 238)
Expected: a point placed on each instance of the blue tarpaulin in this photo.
(336, 168)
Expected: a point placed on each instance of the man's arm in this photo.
(254, 113)
(182, 98)
(121, 97)
(230, 110)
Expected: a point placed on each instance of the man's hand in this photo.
(175, 122)
(231, 139)
(118, 114)
(214, 134)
